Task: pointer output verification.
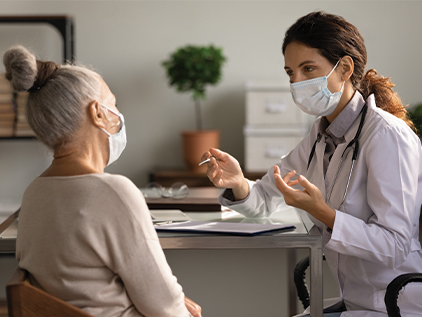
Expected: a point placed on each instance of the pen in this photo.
(205, 161)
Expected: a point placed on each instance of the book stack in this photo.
(7, 109)
(22, 127)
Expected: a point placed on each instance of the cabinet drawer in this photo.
(273, 107)
(261, 152)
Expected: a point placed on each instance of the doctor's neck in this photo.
(347, 95)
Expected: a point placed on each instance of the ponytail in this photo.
(385, 97)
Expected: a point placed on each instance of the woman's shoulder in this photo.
(120, 186)
(114, 180)
(117, 200)
(385, 133)
(112, 186)
(380, 120)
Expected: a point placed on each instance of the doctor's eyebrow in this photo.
(301, 64)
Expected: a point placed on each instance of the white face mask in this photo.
(313, 97)
(117, 142)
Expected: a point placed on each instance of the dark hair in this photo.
(334, 38)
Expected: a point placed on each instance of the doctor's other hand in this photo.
(309, 199)
(224, 171)
(193, 308)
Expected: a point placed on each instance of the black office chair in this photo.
(300, 281)
(390, 298)
(398, 283)
(393, 290)
(302, 289)
(391, 295)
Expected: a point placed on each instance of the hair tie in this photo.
(41, 81)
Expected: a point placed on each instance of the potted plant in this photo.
(415, 114)
(190, 69)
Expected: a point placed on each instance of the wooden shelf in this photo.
(65, 27)
(63, 23)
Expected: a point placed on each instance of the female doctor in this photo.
(358, 173)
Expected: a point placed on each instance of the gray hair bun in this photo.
(21, 67)
(59, 95)
(25, 72)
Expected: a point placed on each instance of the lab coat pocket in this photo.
(379, 303)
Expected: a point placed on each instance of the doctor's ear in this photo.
(97, 115)
(347, 67)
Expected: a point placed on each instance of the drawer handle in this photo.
(275, 107)
(275, 152)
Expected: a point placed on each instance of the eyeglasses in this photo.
(176, 191)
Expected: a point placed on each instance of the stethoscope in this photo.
(353, 143)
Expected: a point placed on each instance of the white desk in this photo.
(304, 236)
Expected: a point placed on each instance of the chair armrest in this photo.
(18, 276)
(6, 224)
(393, 290)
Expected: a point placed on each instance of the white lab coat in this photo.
(375, 234)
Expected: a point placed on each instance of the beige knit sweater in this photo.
(89, 240)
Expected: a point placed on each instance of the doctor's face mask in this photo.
(117, 142)
(313, 97)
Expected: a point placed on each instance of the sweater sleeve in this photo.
(139, 259)
(150, 283)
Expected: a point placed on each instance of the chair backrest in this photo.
(26, 300)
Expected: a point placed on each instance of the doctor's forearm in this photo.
(242, 191)
(324, 213)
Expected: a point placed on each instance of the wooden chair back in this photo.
(25, 300)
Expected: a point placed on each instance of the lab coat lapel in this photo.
(318, 174)
(332, 170)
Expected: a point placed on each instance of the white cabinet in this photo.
(272, 108)
(274, 125)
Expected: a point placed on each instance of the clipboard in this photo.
(234, 228)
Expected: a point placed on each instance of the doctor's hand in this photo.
(309, 199)
(224, 171)
(193, 308)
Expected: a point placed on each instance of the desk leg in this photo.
(316, 282)
(291, 256)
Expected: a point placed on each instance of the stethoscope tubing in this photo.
(353, 143)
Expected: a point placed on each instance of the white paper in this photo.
(162, 215)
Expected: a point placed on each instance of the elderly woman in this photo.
(86, 236)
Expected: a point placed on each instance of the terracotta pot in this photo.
(196, 143)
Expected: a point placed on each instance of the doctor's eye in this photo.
(309, 68)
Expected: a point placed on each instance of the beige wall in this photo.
(127, 40)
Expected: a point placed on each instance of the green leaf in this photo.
(190, 67)
(415, 115)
